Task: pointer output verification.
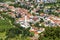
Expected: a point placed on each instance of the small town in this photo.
(29, 19)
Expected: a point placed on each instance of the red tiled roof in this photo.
(11, 7)
(21, 18)
(57, 21)
(22, 11)
(6, 5)
(35, 18)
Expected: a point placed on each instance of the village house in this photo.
(12, 14)
(12, 8)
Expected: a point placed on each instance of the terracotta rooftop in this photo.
(57, 21)
(11, 7)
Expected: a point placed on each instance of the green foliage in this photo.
(37, 25)
(31, 34)
(26, 32)
(41, 20)
(8, 17)
(51, 33)
(4, 25)
(13, 32)
(7, 0)
(58, 0)
(1, 39)
(1, 0)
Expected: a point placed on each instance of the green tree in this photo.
(1, 0)
(51, 33)
(13, 32)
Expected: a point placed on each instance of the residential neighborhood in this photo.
(29, 18)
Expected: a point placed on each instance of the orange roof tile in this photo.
(11, 7)
(56, 21)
